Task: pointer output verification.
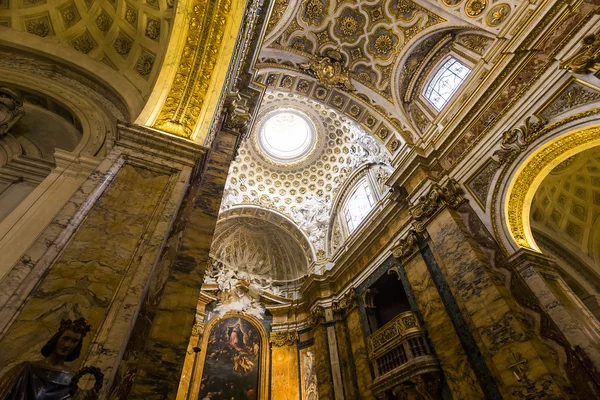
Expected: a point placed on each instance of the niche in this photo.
(384, 299)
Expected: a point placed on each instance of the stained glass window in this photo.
(359, 205)
(445, 82)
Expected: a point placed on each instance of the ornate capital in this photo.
(407, 246)
(586, 59)
(316, 315)
(427, 206)
(329, 70)
(11, 110)
(198, 329)
(281, 339)
(345, 303)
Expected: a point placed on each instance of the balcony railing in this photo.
(399, 352)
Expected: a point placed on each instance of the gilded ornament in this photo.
(474, 8)
(38, 27)
(348, 25)
(475, 43)
(153, 29)
(586, 59)
(182, 107)
(278, 9)
(329, 71)
(84, 43)
(498, 14)
(345, 303)
(451, 3)
(384, 45)
(283, 339)
(314, 11)
(316, 315)
(144, 64)
(70, 15)
(574, 95)
(517, 218)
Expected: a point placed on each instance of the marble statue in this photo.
(366, 149)
(313, 218)
(50, 378)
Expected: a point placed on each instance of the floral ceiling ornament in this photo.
(329, 70)
(474, 8)
(498, 14)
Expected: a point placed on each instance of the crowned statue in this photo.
(50, 378)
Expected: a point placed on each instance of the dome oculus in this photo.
(286, 135)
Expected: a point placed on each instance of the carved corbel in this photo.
(586, 59)
(316, 315)
(237, 117)
(407, 246)
(345, 303)
(514, 141)
(438, 197)
(281, 339)
(11, 110)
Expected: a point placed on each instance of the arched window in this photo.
(445, 82)
(359, 205)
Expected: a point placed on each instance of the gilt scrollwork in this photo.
(514, 141)
(329, 70)
(407, 246)
(283, 339)
(586, 59)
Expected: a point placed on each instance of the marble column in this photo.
(364, 377)
(520, 363)
(153, 361)
(347, 367)
(458, 367)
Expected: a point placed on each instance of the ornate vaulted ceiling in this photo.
(127, 36)
(567, 204)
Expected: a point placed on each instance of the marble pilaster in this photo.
(154, 357)
(460, 376)
(322, 361)
(285, 370)
(364, 378)
(502, 332)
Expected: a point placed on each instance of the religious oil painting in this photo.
(232, 362)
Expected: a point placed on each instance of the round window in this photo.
(286, 135)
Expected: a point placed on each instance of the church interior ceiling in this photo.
(302, 191)
(382, 46)
(129, 37)
(567, 205)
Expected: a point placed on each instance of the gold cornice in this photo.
(204, 35)
(531, 174)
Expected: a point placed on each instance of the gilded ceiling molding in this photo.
(530, 175)
(204, 35)
(435, 200)
(586, 59)
(283, 339)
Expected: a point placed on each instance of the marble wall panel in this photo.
(500, 329)
(364, 378)
(324, 377)
(460, 377)
(284, 373)
(83, 281)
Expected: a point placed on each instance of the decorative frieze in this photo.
(281, 339)
(428, 205)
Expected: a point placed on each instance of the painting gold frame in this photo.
(264, 367)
